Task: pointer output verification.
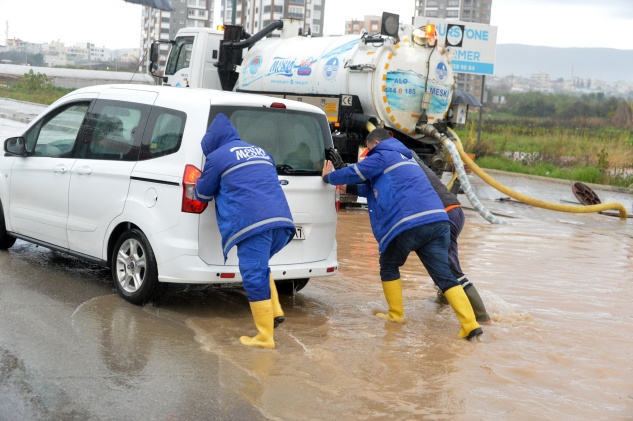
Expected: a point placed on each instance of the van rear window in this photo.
(296, 140)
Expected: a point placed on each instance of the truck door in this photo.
(178, 67)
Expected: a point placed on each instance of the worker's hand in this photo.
(342, 188)
(327, 168)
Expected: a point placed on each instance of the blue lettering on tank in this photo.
(404, 90)
(282, 66)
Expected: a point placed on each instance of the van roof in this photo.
(215, 97)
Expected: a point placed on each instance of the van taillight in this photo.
(337, 199)
(189, 179)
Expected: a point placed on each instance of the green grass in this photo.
(32, 88)
(585, 174)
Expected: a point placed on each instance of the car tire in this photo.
(134, 269)
(292, 286)
(6, 240)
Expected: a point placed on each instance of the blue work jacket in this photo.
(399, 195)
(243, 179)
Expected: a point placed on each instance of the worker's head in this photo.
(375, 136)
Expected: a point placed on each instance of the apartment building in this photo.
(370, 23)
(477, 11)
(254, 15)
(161, 25)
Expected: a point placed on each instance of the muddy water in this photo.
(558, 287)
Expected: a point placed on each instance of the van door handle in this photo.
(60, 169)
(83, 171)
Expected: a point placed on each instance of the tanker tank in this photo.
(395, 82)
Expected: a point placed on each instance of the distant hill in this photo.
(607, 64)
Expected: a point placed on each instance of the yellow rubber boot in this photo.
(393, 294)
(463, 310)
(263, 316)
(278, 313)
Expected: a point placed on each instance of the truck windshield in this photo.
(296, 140)
(179, 55)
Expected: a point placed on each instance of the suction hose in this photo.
(431, 131)
(527, 199)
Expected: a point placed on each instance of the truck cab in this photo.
(186, 69)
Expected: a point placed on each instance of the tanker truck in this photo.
(399, 79)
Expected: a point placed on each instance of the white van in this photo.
(107, 173)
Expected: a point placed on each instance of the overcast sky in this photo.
(116, 24)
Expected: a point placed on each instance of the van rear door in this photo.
(297, 141)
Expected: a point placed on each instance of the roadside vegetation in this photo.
(32, 87)
(586, 138)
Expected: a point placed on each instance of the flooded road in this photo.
(558, 287)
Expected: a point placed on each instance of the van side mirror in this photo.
(15, 146)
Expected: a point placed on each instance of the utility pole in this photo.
(233, 11)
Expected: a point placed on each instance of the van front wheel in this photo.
(134, 269)
(6, 240)
(291, 286)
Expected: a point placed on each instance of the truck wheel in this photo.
(6, 240)
(292, 286)
(134, 269)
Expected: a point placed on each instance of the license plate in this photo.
(300, 233)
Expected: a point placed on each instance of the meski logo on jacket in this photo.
(248, 152)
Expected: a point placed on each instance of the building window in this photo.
(295, 12)
(191, 13)
(317, 14)
(452, 13)
(202, 3)
(278, 9)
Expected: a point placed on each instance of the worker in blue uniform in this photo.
(252, 214)
(406, 214)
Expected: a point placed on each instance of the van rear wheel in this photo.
(291, 286)
(134, 269)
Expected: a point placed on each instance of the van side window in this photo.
(114, 131)
(163, 135)
(56, 136)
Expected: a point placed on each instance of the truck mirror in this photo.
(154, 52)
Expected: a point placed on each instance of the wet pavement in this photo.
(558, 287)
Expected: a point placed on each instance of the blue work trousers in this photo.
(254, 253)
(457, 220)
(430, 242)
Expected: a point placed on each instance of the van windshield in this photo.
(296, 140)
